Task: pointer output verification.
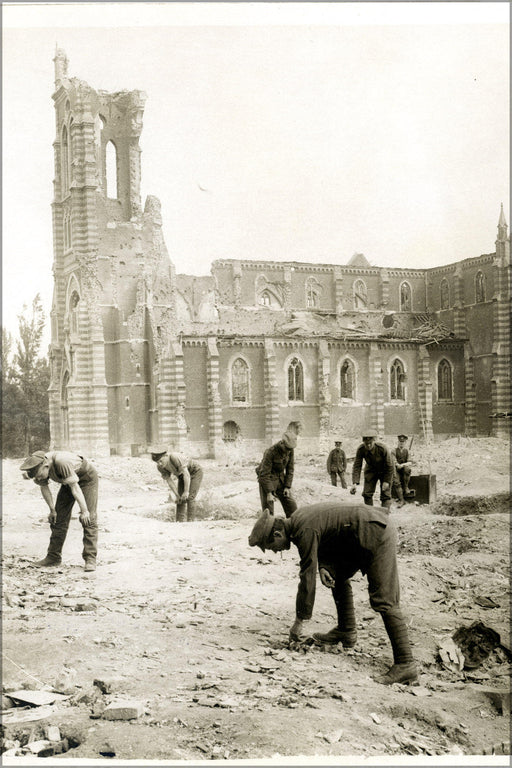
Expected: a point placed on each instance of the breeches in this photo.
(288, 503)
(370, 483)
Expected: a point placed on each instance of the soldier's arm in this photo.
(356, 468)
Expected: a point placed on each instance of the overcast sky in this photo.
(299, 132)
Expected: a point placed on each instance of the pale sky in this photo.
(294, 131)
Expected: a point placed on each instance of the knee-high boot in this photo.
(404, 668)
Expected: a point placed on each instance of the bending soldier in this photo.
(189, 475)
(378, 468)
(275, 474)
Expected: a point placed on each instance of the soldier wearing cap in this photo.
(339, 540)
(275, 474)
(403, 470)
(189, 474)
(337, 464)
(379, 467)
(78, 482)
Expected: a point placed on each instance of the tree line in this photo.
(25, 382)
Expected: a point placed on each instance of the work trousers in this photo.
(403, 477)
(383, 590)
(334, 478)
(63, 506)
(186, 510)
(288, 503)
(370, 483)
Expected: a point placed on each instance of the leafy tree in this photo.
(25, 409)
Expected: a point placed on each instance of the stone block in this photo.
(52, 732)
(109, 684)
(124, 709)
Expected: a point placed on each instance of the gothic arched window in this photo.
(360, 295)
(240, 381)
(444, 381)
(64, 162)
(111, 170)
(295, 380)
(405, 297)
(265, 299)
(73, 312)
(479, 287)
(347, 380)
(313, 290)
(397, 380)
(445, 294)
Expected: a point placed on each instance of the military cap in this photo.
(337, 441)
(32, 462)
(261, 531)
(290, 438)
(403, 437)
(157, 450)
(369, 432)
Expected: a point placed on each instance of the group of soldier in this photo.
(336, 538)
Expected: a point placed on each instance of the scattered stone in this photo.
(500, 699)
(375, 718)
(52, 732)
(38, 746)
(125, 709)
(7, 702)
(334, 737)
(106, 750)
(109, 684)
(36, 698)
(55, 748)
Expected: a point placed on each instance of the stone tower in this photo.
(113, 280)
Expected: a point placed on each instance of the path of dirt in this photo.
(192, 623)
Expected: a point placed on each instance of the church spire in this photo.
(502, 225)
(61, 65)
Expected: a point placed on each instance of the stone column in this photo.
(214, 399)
(459, 312)
(469, 386)
(324, 395)
(501, 390)
(338, 290)
(287, 289)
(165, 401)
(425, 392)
(179, 396)
(237, 287)
(384, 288)
(271, 394)
(376, 389)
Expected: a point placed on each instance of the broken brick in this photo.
(125, 709)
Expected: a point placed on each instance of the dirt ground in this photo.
(190, 622)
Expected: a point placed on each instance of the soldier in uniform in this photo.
(339, 540)
(402, 468)
(378, 468)
(275, 474)
(337, 464)
(78, 482)
(188, 474)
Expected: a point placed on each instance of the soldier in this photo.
(78, 482)
(402, 466)
(341, 539)
(337, 464)
(189, 474)
(275, 474)
(378, 468)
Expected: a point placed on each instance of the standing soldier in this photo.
(378, 468)
(402, 465)
(189, 474)
(337, 464)
(275, 474)
(78, 482)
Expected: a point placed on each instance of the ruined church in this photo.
(140, 354)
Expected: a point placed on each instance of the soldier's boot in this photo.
(399, 493)
(345, 632)
(404, 668)
(191, 510)
(48, 561)
(181, 512)
(386, 504)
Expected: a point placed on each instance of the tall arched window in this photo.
(295, 380)
(64, 162)
(111, 170)
(397, 380)
(445, 294)
(240, 381)
(265, 299)
(73, 312)
(480, 287)
(313, 291)
(405, 297)
(444, 381)
(347, 380)
(360, 295)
